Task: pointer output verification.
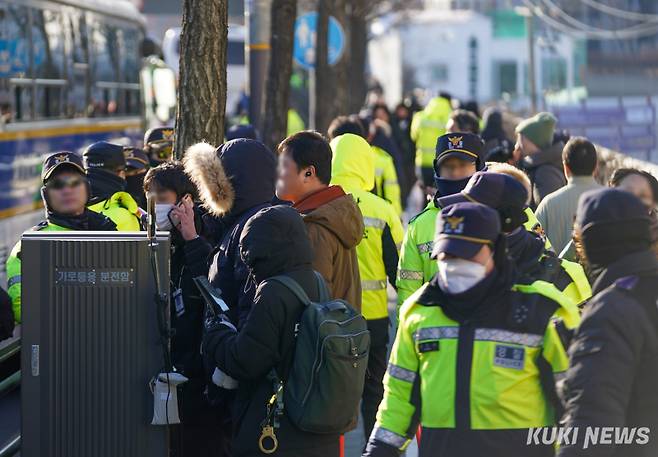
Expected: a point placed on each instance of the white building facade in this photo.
(470, 55)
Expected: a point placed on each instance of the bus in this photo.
(69, 76)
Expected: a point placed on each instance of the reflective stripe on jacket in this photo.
(476, 379)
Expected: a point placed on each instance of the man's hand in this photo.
(215, 323)
(212, 325)
(184, 213)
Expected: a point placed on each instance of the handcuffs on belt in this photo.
(271, 422)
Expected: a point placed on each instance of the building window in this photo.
(554, 73)
(505, 78)
(473, 68)
(439, 73)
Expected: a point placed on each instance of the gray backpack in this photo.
(322, 391)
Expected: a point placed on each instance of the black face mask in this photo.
(447, 187)
(135, 187)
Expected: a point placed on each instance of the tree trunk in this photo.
(202, 80)
(331, 90)
(275, 111)
(358, 33)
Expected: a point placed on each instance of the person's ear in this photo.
(309, 172)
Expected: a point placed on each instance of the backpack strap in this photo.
(323, 291)
(299, 292)
(293, 286)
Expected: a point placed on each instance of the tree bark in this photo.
(277, 92)
(202, 79)
(358, 39)
(331, 90)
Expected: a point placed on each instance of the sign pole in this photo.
(257, 19)
(311, 98)
(304, 52)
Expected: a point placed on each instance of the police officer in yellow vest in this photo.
(353, 168)
(386, 178)
(528, 249)
(106, 169)
(426, 126)
(458, 158)
(65, 193)
(476, 357)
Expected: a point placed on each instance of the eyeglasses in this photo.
(162, 150)
(62, 182)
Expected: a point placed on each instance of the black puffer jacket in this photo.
(613, 376)
(235, 181)
(188, 260)
(273, 242)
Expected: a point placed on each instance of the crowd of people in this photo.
(526, 290)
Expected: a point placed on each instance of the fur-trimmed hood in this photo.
(236, 176)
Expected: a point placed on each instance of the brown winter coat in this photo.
(335, 228)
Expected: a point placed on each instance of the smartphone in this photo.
(211, 296)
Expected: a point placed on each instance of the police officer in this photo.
(353, 168)
(137, 164)
(475, 355)
(458, 156)
(106, 169)
(159, 145)
(65, 193)
(386, 178)
(528, 250)
(426, 126)
(416, 267)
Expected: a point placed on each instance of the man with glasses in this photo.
(65, 193)
(105, 164)
(159, 145)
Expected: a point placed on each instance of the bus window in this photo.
(78, 93)
(48, 59)
(130, 56)
(105, 68)
(15, 89)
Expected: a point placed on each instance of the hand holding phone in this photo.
(182, 216)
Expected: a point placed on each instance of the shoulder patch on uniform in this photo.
(566, 308)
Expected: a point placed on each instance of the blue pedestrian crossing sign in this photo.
(305, 39)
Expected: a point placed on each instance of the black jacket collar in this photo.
(88, 220)
(637, 263)
(104, 184)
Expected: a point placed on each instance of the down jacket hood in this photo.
(236, 176)
(274, 241)
(353, 163)
(342, 217)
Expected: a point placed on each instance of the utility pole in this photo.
(530, 34)
(257, 19)
(530, 31)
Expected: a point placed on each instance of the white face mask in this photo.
(162, 221)
(458, 275)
